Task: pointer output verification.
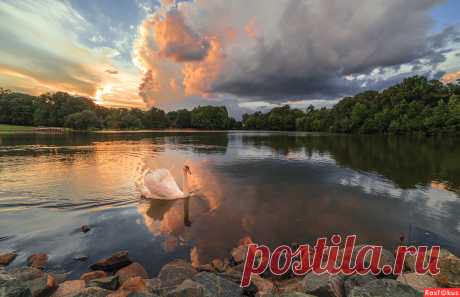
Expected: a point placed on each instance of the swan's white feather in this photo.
(161, 185)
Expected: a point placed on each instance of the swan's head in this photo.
(187, 170)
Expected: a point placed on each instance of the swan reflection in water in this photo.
(173, 218)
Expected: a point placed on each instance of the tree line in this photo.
(416, 105)
(61, 109)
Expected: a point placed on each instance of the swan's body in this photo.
(160, 184)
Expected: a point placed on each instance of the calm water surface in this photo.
(273, 187)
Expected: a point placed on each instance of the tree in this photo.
(209, 117)
(85, 120)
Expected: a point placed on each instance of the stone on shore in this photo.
(218, 286)
(116, 261)
(35, 279)
(189, 288)
(85, 228)
(93, 292)
(205, 267)
(418, 281)
(135, 286)
(175, 272)
(356, 280)
(218, 265)
(69, 288)
(290, 286)
(239, 253)
(132, 270)
(449, 265)
(108, 283)
(93, 275)
(7, 258)
(384, 288)
(264, 286)
(37, 260)
(291, 294)
(323, 285)
(11, 286)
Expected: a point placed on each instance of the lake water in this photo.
(273, 187)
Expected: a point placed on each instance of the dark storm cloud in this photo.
(319, 43)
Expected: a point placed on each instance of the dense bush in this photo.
(64, 110)
(416, 105)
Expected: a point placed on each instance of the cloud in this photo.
(41, 52)
(451, 77)
(282, 49)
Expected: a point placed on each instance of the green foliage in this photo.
(62, 109)
(85, 120)
(210, 117)
(416, 105)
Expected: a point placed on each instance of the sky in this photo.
(245, 54)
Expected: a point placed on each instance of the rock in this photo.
(135, 286)
(7, 258)
(290, 286)
(449, 265)
(356, 280)
(93, 275)
(218, 286)
(12, 287)
(418, 281)
(175, 272)
(134, 269)
(205, 267)
(189, 288)
(323, 285)
(239, 253)
(384, 288)
(263, 285)
(116, 261)
(37, 261)
(36, 280)
(93, 292)
(69, 288)
(109, 282)
(85, 228)
(387, 257)
(218, 265)
(59, 277)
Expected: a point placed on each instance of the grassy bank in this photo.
(15, 128)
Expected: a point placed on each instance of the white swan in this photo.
(160, 184)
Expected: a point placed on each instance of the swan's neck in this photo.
(185, 184)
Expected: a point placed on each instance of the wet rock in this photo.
(387, 257)
(69, 288)
(59, 277)
(93, 275)
(37, 260)
(12, 287)
(384, 288)
(135, 286)
(290, 286)
(7, 258)
(109, 282)
(356, 281)
(175, 272)
(263, 286)
(418, 281)
(189, 288)
(218, 286)
(132, 270)
(218, 265)
(449, 265)
(36, 280)
(323, 285)
(239, 254)
(85, 228)
(205, 267)
(93, 292)
(116, 261)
